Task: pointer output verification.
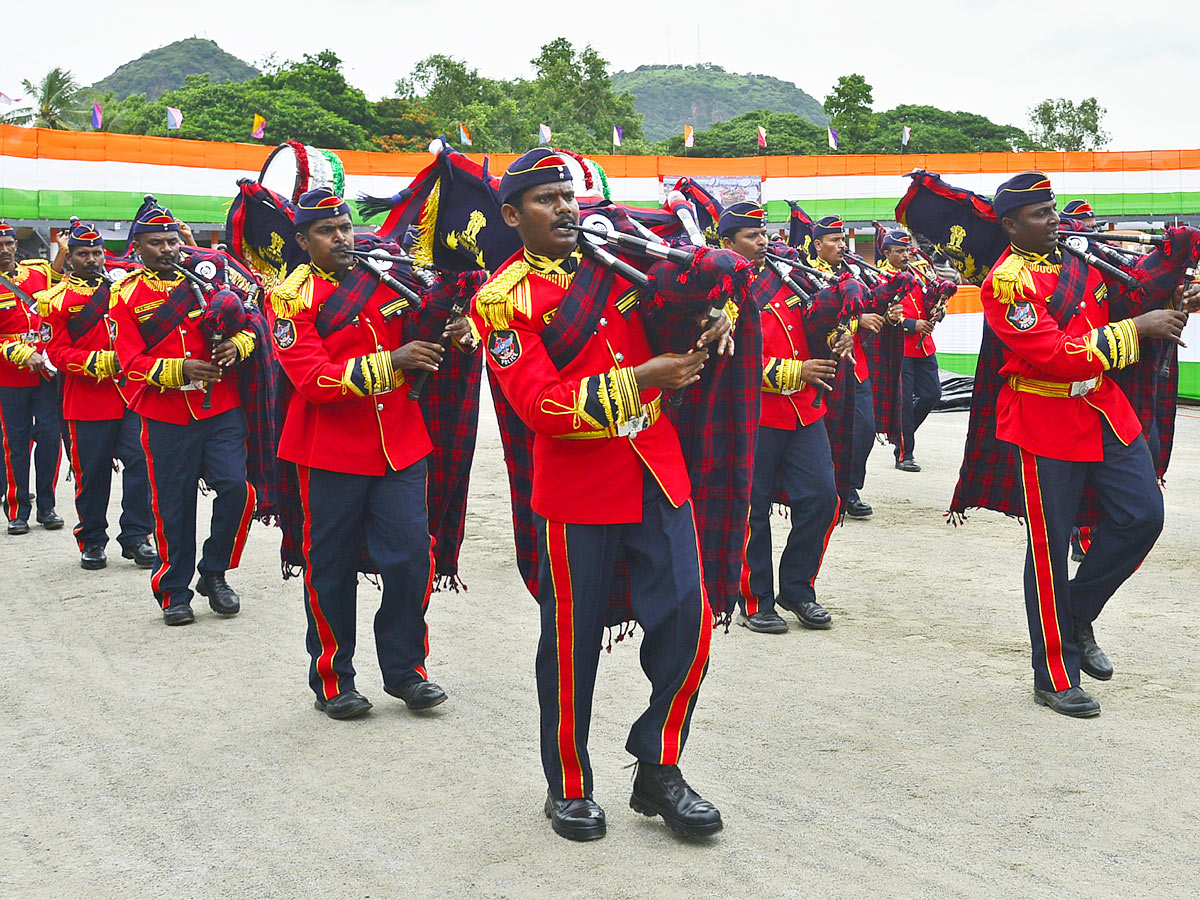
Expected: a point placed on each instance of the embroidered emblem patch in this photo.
(505, 347)
(284, 333)
(1021, 315)
(45, 333)
(206, 269)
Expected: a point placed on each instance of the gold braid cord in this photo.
(422, 249)
(496, 302)
(782, 376)
(1010, 279)
(294, 293)
(51, 298)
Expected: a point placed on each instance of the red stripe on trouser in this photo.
(329, 645)
(837, 510)
(747, 592)
(10, 495)
(672, 732)
(75, 464)
(564, 635)
(243, 529)
(1043, 573)
(160, 536)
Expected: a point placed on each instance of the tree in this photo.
(54, 102)
(849, 109)
(406, 125)
(319, 76)
(787, 133)
(941, 131)
(1065, 125)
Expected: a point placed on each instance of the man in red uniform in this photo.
(193, 426)
(28, 395)
(921, 384)
(608, 477)
(359, 443)
(101, 427)
(792, 449)
(1071, 427)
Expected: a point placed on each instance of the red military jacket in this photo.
(862, 371)
(350, 411)
(1044, 363)
(20, 326)
(154, 375)
(786, 400)
(589, 458)
(914, 308)
(88, 366)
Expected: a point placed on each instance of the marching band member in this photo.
(101, 426)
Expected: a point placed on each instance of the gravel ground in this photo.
(899, 753)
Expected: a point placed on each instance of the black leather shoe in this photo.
(1071, 702)
(49, 519)
(143, 555)
(179, 614)
(18, 526)
(810, 613)
(576, 819)
(1091, 658)
(856, 509)
(345, 705)
(418, 694)
(221, 597)
(661, 791)
(767, 622)
(907, 465)
(93, 557)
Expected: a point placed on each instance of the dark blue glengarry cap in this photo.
(828, 225)
(319, 203)
(897, 237)
(744, 214)
(1022, 190)
(7, 230)
(84, 236)
(1079, 209)
(153, 218)
(540, 165)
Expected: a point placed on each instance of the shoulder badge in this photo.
(294, 293)
(504, 346)
(499, 298)
(1021, 315)
(284, 333)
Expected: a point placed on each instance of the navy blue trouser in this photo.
(575, 578)
(864, 432)
(921, 390)
(29, 416)
(340, 510)
(800, 462)
(94, 445)
(1127, 488)
(178, 456)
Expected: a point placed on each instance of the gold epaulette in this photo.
(42, 265)
(121, 291)
(1010, 277)
(500, 297)
(294, 293)
(50, 299)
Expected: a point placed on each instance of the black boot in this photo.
(576, 819)
(661, 791)
(221, 597)
(93, 557)
(49, 519)
(143, 555)
(1091, 658)
(1074, 702)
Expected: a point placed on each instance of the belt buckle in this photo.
(1083, 388)
(635, 425)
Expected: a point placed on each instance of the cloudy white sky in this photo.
(996, 59)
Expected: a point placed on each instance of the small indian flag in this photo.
(689, 136)
(174, 118)
(464, 136)
(833, 139)
(543, 133)
(762, 136)
(260, 127)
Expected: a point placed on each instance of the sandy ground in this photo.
(898, 754)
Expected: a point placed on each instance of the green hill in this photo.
(668, 97)
(166, 68)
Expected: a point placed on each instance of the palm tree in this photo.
(56, 101)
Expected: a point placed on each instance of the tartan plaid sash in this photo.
(167, 317)
(344, 304)
(92, 313)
